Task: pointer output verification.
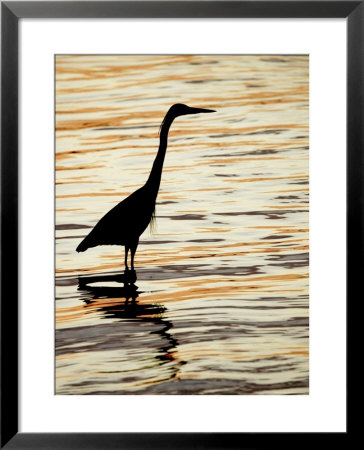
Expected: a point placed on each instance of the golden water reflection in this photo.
(221, 302)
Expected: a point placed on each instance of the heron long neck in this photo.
(156, 172)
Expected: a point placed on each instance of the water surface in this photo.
(221, 303)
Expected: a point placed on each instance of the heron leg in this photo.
(132, 252)
(126, 257)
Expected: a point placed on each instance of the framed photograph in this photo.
(181, 221)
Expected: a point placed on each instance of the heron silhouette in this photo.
(126, 221)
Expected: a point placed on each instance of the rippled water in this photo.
(221, 303)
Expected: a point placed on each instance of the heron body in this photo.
(126, 221)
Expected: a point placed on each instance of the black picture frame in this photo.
(11, 13)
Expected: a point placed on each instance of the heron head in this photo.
(180, 109)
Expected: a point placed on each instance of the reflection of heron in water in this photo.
(124, 223)
(126, 307)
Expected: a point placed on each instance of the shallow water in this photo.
(221, 303)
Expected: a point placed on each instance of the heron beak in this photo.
(199, 110)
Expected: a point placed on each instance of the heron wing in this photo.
(125, 222)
